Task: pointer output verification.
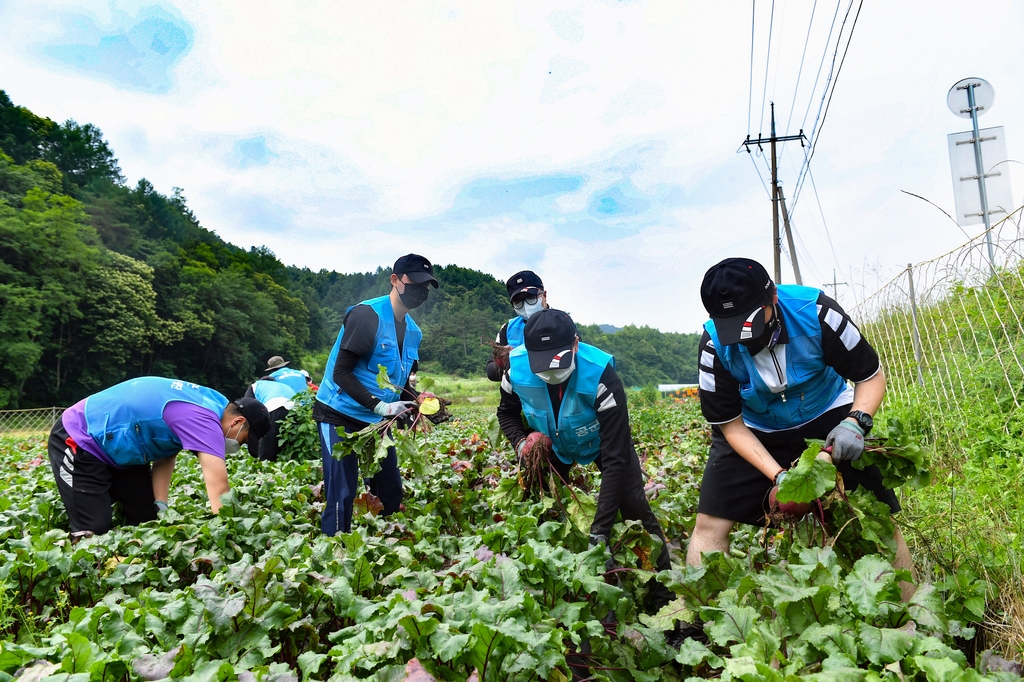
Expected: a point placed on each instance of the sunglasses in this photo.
(529, 300)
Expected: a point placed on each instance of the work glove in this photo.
(394, 409)
(846, 441)
(527, 443)
(161, 508)
(602, 539)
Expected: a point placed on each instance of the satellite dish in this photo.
(984, 94)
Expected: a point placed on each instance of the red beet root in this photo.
(793, 509)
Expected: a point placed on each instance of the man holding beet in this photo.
(774, 363)
(376, 333)
(575, 408)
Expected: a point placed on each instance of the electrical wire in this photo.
(750, 92)
(799, 73)
(823, 113)
(821, 64)
(767, 62)
(823, 222)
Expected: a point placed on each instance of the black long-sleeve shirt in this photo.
(616, 440)
(493, 373)
(360, 326)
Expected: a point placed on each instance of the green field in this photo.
(475, 575)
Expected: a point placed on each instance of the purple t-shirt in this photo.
(196, 427)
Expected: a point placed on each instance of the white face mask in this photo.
(231, 445)
(527, 310)
(557, 376)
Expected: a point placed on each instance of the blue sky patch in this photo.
(134, 52)
(253, 151)
(530, 198)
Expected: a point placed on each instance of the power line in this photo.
(821, 64)
(750, 93)
(767, 62)
(823, 114)
(801, 71)
(822, 214)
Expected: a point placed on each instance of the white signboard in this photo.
(965, 182)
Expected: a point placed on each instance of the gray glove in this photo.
(161, 508)
(846, 441)
(394, 409)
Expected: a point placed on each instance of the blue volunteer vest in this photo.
(812, 386)
(292, 377)
(126, 420)
(577, 435)
(385, 352)
(266, 390)
(514, 331)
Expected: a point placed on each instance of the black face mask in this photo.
(414, 295)
(771, 327)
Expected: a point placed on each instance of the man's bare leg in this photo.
(904, 561)
(711, 534)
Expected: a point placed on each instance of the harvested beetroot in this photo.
(790, 509)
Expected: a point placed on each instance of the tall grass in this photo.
(966, 405)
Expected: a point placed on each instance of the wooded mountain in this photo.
(100, 282)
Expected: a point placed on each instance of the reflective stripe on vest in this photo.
(126, 420)
(385, 353)
(577, 435)
(811, 385)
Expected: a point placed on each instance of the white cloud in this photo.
(376, 119)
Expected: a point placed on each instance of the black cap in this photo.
(549, 336)
(525, 281)
(255, 414)
(417, 268)
(734, 293)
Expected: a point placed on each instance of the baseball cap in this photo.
(526, 281)
(256, 414)
(734, 292)
(549, 336)
(276, 362)
(417, 268)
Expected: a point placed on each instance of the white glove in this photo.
(394, 409)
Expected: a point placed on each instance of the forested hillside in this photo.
(100, 282)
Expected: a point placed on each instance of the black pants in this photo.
(734, 489)
(634, 506)
(266, 448)
(89, 487)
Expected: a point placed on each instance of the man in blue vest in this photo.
(378, 332)
(773, 367)
(278, 370)
(276, 396)
(121, 445)
(527, 295)
(574, 402)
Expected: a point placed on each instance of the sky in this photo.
(596, 143)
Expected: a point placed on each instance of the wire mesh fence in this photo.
(949, 330)
(29, 422)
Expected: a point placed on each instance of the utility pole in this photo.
(776, 241)
(789, 237)
(835, 285)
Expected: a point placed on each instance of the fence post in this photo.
(913, 324)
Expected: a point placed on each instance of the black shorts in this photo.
(733, 489)
(89, 486)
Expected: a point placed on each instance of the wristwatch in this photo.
(864, 420)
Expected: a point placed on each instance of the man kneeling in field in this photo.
(774, 363)
(121, 444)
